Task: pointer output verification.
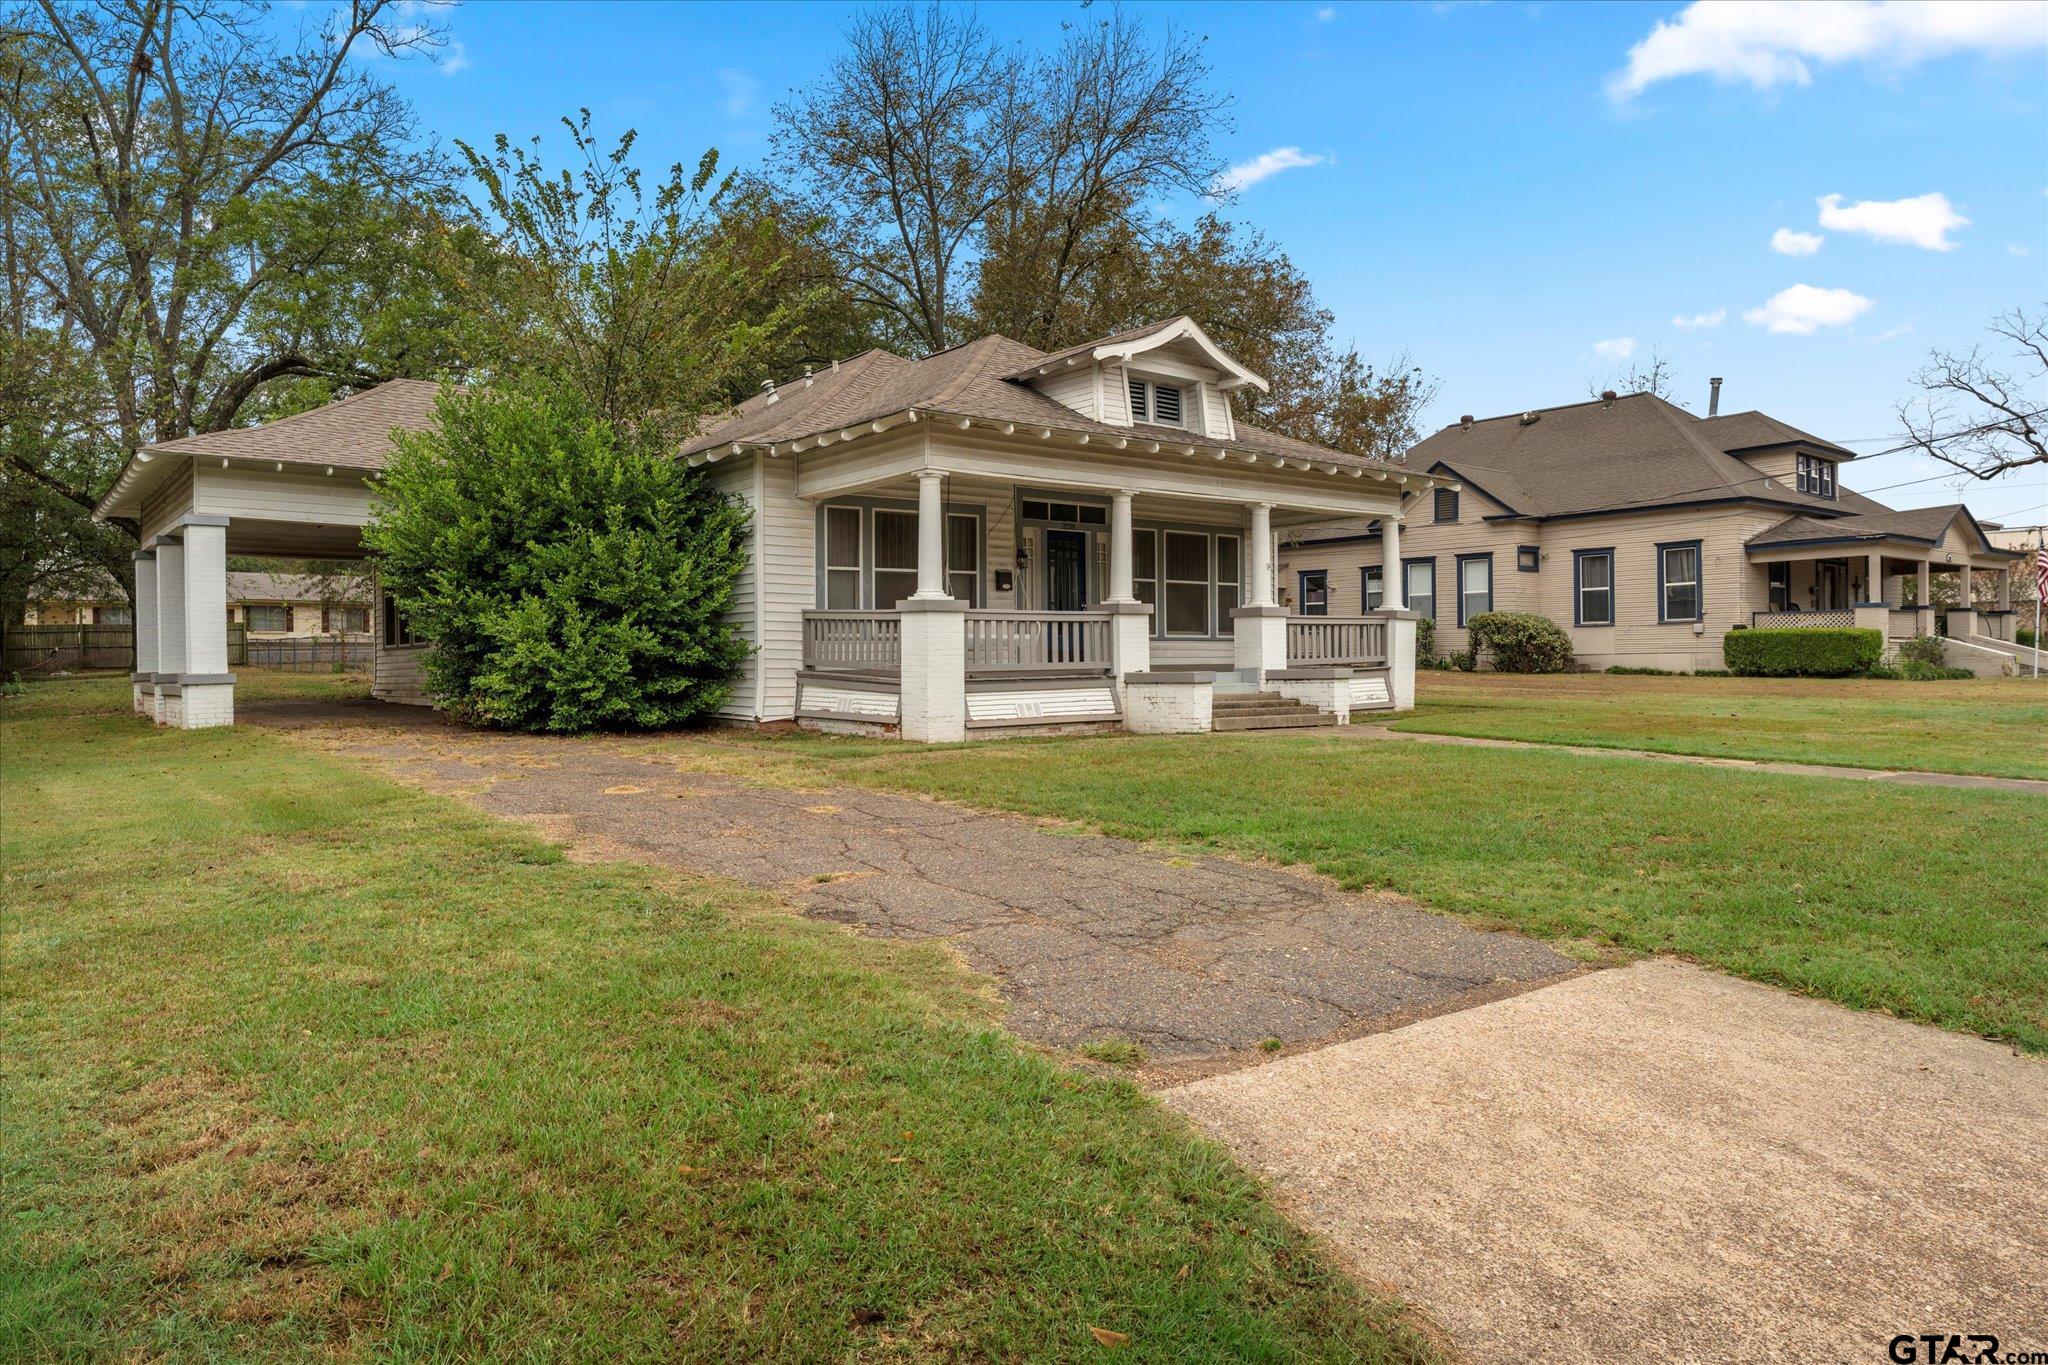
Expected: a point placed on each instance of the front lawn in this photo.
(297, 1062)
(1995, 726)
(1926, 902)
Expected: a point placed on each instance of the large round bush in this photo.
(568, 576)
(1520, 642)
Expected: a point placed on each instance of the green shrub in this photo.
(570, 577)
(2025, 635)
(1801, 653)
(1913, 670)
(1521, 642)
(1464, 660)
(1425, 638)
(1623, 671)
(1924, 649)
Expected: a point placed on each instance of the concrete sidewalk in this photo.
(1662, 1163)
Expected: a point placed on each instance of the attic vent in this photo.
(1166, 406)
(1529, 418)
(768, 387)
(1607, 397)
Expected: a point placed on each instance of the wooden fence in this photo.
(73, 649)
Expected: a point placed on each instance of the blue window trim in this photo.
(1406, 599)
(1578, 587)
(1535, 550)
(1301, 590)
(1699, 587)
(1458, 584)
(1445, 497)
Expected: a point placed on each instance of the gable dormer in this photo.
(1168, 374)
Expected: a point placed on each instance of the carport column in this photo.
(207, 688)
(933, 677)
(144, 676)
(1393, 587)
(1923, 600)
(1130, 624)
(170, 626)
(1260, 626)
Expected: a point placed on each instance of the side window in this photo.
(1315, 592)
(1475, 586)
(1229, 584)
(1421, 587)
(1371, 589)
(842, 559)
(1595, 587)
(1678, 582)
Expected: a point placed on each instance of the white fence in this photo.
(1336, 640)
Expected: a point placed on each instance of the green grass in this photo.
(1993, 726)
(296, 1062)
(1928, 903)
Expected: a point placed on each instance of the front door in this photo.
(1831, 578)
(1066, 571)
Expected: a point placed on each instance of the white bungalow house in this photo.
(994, 537)
(986, 540)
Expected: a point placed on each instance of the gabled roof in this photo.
(1634, 452)
(1137, 341)
(354, 432)
(1753, 430)
(1926, 525)
(975, 381)
(251, 586)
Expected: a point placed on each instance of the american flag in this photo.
(2041, 574)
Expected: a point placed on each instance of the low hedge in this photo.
(1520, 642)
(1833, 653)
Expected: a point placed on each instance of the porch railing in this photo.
(857, 641)
(1794, 620)
(1336, 640)
(1038, 642)
(1995, 624)
(1903, 625)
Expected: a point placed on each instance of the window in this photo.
(1678, 582)
(1229, 581)
(963, 557)
(1475, 586)
(1780, 586)
(842, 558)
(397, 629)
(1816, 476)
(348, 620)
(1159, 403)
(113, 616)
(1371, 587)
(895, 557)
(1066, 513)
(1187, 583)
(1421, 586)
(269, 620)
(1593, 587)
(1446, 504)
(1315, 592)
(1528, 558)
(1145, 570)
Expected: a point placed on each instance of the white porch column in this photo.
(1130, 626)
(1260, 627)
(933, 675)
(143, 678)
(931, 536)
(206, 688)
(1393, 587)
(1873, 577)
(1962, 618)
(1923, 599)
(1120, 549)
(170, 625)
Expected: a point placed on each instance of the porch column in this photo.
(170, 625)
(931, 536)
(1393, 590)
(2005, 588)
(144, 676)
(1962, 618)
(1260, 626)
(1873, 578)
(206, 688)
(1130, 623)
(1923, 599)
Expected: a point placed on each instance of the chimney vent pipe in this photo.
(1714, 397)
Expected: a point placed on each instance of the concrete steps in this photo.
(1265, 711)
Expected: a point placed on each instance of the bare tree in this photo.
(1651, 375)
(1981, 414)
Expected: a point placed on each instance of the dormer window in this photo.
(1155, 403)
(1816, 476)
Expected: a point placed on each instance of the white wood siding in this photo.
(1073, 388)
(735, 479)
(340, 499)
(784, 537)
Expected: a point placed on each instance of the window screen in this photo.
(1187, 583)
(269, 620)
(895, 557)
(842, 558)
(963, 558)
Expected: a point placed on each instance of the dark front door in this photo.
(1066, 571)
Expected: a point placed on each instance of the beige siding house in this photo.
(279, 606)
(1649, 534)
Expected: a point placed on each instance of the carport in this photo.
(296, 487)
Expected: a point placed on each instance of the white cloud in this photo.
(1325, 14)
(741, 91)
(1891, 334)
(1698, 321)
(1804, 309)
(1615, 348)
(454, 58)
(1924, 221)
(1786, 242)
(2018, 249)
(1767, 43)
(1248, 173)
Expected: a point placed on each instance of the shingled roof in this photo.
(354, 433)
(1634, 452)
(1924, 524)
(1755, 430)
(972, 380)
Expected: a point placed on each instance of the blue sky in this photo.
(1501, 189)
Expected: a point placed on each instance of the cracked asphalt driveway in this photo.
(1088, 938)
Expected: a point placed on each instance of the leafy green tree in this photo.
(570, 573)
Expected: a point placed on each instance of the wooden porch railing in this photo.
(1336, 640)
(1796, 620)
(858, 641)
(1038, 642)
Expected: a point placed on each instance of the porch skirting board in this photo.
(1009, 703)
(864, 701)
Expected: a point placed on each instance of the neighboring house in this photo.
(989, 538)
(1649, 534)
(78, 611)
(280, 606)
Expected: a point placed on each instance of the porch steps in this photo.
(1264, 711)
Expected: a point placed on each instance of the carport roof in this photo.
(355, 432)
